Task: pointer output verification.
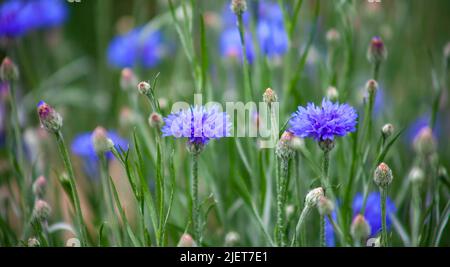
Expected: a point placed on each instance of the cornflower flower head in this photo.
(199, 124)
(18, 17)
(323, 123)
(137, 48)
(272, 36)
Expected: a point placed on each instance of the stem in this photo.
(247, 80)
(376, 70)
(416, 214)
(384, 236)
(76, 200)
(300, 222)
(325, 185)
(281, 197)
(16, 126)
(195, 204)
(108, 197)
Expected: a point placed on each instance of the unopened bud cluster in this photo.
(377, 52)
(101, 141)
(284, 147)
(313, 197)
(238, 6)
(8, 70)
(49, 118)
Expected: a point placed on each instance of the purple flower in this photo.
(372, 214)
(199, 124)
(230, 44)
(20, 16)
(422, 122)
(323, 123)
(137, 48)
(83, 147)
(271, 32)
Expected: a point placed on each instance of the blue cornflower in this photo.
(230, 44)
(20, 16)
(323, 123)
(83, 147)
(421, 123)
(137, 47)
(372, 214)
(272, 36)
(198, 123)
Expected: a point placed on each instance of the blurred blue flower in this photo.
(325, 122)
(83, 147)
(272, 36)
(419, 124)
(372, 214)
(199, 124)
(230, 44)
(137, 48)
(17, 17)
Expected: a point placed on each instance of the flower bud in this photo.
(332, 94)
(186, 241)
(387, 130)
(313, 197)
(101, 141)
(297, 143)
(33, 242)
(443, 174)
(155, 120)
(377, 52)
(39, 186)
(360, 228)
(41, 210)
(284, 148)
(163, 103)
(8, 70)
(238, 6)
(325, 206)
(270, 96)
(232, 238)
(424, 143)
(144, 88)
(127, 117)
(128, 79)
(333, 36)
(383, 175)
(327, 145)
(49, 118)
(371, 87)
(416, 175)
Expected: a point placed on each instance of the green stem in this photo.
(16, 126)
(416, 215)
(384, 236)
(325, 185)
(282, 180)
(376, 70)
(246, 68)
(76, 200)
(194, 196)
(108, 198)
(300, 222)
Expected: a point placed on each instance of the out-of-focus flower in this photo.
(83, 147)
(39, 186)
(325, 122)
(102, 143)
(41, 210)
(128, 79)
(186, 240)
(421, 123)
(230, 44)
(387, 130)
(199, 124)
(137, 48)
(360, 228)
(238, 6)
(372, 214)
(377, 52)
(155, 120)
(18, 17)
(272, 36)
(232, 238)
(425, 143)
(8, 70)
